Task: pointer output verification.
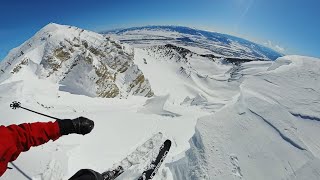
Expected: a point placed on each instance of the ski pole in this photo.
(23, 173)
(16, 105)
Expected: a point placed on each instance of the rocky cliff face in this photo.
(83, 62)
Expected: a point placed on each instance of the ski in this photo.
(153, 168)
(136, 157)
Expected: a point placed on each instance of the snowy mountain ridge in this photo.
(82, 62)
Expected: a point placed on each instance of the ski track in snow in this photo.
(236, 168)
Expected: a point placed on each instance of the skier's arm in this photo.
(33, 134)
(15, 139)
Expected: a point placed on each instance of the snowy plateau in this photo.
(233, 109)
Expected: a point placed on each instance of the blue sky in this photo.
(289, 26)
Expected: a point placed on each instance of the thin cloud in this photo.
(243, 15)
(275, 46)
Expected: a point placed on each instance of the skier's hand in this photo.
(80, 125)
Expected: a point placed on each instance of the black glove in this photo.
(80, 125)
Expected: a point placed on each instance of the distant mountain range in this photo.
(218, 44)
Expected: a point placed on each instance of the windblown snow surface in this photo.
(255, 120)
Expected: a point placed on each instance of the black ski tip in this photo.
(150, 172)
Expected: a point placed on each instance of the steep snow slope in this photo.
(82, 62)
(188, 78)
(269, 132)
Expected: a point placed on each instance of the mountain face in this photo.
(82, 62)
(220, 45)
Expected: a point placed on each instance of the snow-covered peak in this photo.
(51, 27)
(81, 61)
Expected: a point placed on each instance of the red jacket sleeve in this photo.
(15, 139)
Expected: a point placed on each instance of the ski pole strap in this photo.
(15, 105)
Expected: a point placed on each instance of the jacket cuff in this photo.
(66, 127)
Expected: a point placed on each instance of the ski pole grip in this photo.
(15, 105)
